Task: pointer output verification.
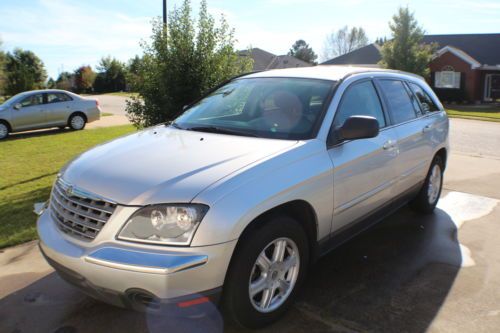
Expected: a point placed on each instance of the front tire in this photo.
(4, 131)
(428, 197)
(77, 122)
(266, 271)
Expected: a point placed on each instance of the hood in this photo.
(164, 164)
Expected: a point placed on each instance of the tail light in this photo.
(97, 103)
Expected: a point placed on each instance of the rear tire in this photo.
(429, 194)
(77, 122)
(273, 282)
(4, 130)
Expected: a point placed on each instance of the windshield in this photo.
(278, 108)
(14, 98)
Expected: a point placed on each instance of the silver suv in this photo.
(44, 109)
(245, 190)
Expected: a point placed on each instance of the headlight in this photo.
(164, 224)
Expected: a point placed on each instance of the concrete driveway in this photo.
(438, 273)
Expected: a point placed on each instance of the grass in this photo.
(29, 164)
(106, 114)
(470, 112)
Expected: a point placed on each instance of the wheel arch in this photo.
(443, 153)
(9, 126)
(299, 210)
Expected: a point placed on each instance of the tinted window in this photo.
(426, 101)
(32, 100)
(57, 97)
(281, 108)
(360, 99)
(400, 103)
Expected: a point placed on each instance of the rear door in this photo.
(363, 169)
(31, 114)
(58, 107)
(415, 150)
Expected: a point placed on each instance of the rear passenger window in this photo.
(360, 99)
(426, 101)
(57, 98)
(399, 101)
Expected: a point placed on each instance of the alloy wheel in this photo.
(274, 275)
(434, 187)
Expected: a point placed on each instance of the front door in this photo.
(30, 115)
(364, 170)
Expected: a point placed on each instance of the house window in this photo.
(447, 80)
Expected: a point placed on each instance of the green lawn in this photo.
(28, 166)
(471, 112)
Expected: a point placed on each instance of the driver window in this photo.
(32, 100)
(360, 99)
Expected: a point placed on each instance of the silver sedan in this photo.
(46, 108)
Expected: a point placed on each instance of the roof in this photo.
(263, 60)
(323, 72)
(483, 48)
(365, 55)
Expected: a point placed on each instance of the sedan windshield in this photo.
(278, 108)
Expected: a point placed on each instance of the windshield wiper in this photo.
(220, 130)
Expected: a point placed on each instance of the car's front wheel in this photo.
(77, 122)
(4, 130)
(267, 269)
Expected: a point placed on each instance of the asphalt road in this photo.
(112, 104)
(412, 273)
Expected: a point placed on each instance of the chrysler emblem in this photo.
(69, 191)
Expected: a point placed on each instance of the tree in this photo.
(181, 63)
(25, 71)
(65, 81)
(51, 84)
(134, 72)
(405, 51)
(380, 40)
(343, 41)
(111, 75)
(84, 79)
(2, 71)
(301, 50)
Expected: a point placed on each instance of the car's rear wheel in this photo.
(4, 130)
(267, 269)
(77, 122)
(430, 192)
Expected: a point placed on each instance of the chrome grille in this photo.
(78, 213)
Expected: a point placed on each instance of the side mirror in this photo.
(18, 106)
(358, 127)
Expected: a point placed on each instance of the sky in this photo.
(66, 34)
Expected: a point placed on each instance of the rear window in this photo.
(400, 103)
(426, 101)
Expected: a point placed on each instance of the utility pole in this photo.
(165, 12)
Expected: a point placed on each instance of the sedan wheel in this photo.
(434, 187)
(274, 275)
(4, 131)
(77, 122)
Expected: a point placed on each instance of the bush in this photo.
(181, 63)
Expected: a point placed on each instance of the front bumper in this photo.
(127, 274)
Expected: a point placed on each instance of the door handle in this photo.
(388, 145)
(427, 128)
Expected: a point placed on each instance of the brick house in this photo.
(465, 67)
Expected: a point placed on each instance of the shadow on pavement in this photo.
(393, 278)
